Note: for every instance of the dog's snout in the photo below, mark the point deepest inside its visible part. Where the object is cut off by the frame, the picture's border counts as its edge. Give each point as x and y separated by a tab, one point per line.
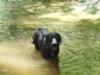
54	45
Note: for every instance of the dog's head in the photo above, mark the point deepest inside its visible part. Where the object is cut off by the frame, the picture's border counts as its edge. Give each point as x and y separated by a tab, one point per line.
52	41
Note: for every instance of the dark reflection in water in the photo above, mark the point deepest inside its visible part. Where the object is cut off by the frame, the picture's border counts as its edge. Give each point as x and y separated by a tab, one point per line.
20	58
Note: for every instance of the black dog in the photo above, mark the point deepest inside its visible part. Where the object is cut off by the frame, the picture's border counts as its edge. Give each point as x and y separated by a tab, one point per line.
47	43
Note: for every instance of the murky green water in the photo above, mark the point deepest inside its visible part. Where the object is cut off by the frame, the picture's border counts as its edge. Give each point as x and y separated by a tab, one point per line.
80	48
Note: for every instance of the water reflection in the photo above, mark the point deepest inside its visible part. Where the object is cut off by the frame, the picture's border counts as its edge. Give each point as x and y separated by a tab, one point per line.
20	58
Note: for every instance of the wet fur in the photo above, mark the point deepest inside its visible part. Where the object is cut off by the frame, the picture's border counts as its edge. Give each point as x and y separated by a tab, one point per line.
42	40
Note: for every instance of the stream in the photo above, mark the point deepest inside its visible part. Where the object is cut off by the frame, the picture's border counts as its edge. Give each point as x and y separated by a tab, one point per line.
21	58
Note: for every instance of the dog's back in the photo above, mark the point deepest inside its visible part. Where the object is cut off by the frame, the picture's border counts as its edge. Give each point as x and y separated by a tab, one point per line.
38	36
42	31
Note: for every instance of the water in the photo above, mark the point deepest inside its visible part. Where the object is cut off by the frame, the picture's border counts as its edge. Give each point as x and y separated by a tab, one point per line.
80	48
17	54
20	58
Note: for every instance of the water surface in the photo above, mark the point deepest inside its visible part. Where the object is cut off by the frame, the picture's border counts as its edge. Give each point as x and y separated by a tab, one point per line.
20	58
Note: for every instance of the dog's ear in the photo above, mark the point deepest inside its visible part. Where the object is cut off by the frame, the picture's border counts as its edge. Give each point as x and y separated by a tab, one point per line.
58	36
